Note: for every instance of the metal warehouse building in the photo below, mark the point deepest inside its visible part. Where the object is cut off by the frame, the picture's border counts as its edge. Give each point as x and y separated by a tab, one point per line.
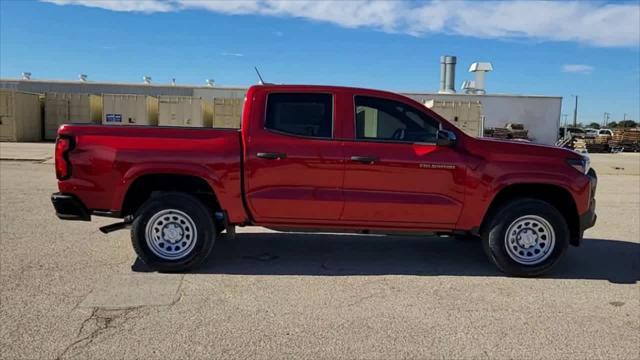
540	115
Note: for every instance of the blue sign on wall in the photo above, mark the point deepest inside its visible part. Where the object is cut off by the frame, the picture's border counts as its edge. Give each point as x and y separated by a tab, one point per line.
114	117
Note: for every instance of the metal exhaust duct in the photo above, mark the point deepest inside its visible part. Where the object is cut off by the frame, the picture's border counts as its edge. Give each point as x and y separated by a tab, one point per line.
443	75
447	74
480	69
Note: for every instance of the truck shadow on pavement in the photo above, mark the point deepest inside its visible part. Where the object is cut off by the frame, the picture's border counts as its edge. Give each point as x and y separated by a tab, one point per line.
342	255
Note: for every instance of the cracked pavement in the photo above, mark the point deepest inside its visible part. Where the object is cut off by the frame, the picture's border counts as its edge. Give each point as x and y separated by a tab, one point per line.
70	292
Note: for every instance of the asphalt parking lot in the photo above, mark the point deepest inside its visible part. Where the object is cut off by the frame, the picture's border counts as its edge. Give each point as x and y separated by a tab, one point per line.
68	291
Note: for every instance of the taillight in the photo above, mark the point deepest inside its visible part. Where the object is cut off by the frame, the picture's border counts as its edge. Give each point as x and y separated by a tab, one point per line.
63	166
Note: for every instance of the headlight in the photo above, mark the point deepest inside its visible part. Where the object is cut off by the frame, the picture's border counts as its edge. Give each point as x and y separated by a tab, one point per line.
582	164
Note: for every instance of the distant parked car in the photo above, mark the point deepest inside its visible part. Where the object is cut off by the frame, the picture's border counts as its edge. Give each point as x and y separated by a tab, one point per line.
590	133
605	132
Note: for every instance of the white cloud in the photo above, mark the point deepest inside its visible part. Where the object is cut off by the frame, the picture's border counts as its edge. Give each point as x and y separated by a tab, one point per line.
225	53
592	23
147	6
577	68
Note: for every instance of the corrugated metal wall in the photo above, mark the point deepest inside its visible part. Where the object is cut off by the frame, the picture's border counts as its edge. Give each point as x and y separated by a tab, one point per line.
64	108
185	111
119	109
20	116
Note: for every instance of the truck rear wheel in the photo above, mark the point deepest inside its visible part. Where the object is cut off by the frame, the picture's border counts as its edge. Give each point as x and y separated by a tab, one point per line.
525	237
173	232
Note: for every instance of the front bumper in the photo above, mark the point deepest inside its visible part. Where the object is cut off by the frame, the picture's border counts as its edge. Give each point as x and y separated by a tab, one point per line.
588	219
69	207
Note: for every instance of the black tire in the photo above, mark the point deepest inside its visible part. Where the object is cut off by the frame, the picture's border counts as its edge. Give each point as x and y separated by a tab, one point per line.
495	243
195	211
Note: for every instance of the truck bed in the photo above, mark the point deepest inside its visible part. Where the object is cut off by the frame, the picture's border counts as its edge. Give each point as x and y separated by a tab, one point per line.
104	157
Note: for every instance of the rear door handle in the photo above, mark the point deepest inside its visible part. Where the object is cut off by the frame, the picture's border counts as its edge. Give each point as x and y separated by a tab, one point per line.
365	159
271	156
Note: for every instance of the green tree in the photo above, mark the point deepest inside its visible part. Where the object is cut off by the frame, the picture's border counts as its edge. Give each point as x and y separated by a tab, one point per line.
594	125
612	125
627	123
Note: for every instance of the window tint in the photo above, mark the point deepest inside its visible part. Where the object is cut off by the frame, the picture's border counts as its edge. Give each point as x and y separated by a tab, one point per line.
300	114
383	119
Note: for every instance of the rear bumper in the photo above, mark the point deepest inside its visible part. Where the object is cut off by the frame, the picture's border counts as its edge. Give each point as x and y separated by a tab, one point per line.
69	207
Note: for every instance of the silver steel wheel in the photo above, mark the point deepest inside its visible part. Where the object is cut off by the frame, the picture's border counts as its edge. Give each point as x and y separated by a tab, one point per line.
530	240
171	234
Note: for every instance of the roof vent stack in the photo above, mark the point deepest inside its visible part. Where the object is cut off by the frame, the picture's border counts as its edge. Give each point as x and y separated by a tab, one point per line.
447	74
480	68
468	86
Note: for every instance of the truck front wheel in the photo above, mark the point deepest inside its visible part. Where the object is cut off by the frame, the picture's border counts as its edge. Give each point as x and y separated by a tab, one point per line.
525	237
173	232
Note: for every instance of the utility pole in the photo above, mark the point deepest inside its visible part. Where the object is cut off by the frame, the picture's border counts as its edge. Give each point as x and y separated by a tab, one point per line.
606	119
624	117
575	112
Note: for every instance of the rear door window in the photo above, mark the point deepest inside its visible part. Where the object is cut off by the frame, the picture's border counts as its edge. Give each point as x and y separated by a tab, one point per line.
300	114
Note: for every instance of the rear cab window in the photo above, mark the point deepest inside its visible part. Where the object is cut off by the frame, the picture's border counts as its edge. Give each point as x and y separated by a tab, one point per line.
301	114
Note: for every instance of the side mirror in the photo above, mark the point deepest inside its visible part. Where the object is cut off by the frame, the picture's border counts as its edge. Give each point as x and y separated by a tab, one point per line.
446	138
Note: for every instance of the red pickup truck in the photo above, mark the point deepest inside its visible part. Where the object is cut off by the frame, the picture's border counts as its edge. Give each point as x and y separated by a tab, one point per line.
325	158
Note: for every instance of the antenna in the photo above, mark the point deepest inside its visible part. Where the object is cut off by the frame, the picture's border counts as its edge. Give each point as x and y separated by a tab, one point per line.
259	76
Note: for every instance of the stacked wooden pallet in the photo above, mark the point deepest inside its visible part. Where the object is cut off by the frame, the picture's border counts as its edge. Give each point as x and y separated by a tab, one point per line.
500	133
629	139
579	144
510	131
598	145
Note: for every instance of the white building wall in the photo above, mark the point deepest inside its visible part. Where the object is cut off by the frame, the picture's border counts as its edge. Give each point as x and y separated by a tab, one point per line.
539	114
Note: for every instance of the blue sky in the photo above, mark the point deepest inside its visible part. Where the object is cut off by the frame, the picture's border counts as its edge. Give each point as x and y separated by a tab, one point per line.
586	48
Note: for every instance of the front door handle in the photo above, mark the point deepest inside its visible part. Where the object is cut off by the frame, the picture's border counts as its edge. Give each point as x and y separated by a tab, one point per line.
365	159
271	156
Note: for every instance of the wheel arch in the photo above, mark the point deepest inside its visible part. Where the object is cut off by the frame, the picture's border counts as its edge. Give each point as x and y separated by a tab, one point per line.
147	185
556	195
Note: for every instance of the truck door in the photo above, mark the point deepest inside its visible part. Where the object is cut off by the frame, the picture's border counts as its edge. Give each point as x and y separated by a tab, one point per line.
395	175
294	167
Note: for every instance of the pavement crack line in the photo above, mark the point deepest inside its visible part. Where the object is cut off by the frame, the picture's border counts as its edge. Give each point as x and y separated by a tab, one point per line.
179	294
98	322
362	299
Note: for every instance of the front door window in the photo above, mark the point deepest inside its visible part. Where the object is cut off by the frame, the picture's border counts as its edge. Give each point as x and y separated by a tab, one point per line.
388	120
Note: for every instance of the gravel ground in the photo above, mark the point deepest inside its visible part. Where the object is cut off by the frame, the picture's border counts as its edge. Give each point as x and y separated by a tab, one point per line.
68	291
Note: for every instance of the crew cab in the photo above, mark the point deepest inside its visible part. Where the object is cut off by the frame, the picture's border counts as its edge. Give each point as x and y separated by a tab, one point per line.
325	158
